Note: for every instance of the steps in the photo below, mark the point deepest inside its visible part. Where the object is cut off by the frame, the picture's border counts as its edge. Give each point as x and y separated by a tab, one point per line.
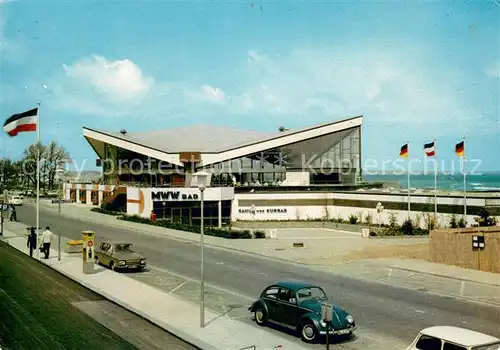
117	200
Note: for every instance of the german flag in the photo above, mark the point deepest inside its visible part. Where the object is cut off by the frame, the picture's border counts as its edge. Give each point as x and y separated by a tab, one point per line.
404	151
460	149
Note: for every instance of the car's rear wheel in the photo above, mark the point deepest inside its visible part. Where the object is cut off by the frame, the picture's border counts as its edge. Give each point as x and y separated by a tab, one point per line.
97	260
112	265
260	316
308	332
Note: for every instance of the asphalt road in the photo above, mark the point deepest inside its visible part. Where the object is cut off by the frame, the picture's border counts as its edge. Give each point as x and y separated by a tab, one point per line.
384	310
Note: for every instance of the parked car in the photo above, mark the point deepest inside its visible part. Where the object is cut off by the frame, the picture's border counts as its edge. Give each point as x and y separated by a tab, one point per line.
16	200
297	305
119	256
453	338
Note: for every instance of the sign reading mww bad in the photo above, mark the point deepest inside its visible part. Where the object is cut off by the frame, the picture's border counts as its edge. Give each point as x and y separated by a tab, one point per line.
173	196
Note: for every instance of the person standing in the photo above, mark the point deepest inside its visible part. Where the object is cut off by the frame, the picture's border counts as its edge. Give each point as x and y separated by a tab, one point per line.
13	213
46	239
32	241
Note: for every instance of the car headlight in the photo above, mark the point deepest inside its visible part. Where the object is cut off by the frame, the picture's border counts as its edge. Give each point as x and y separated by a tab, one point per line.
143	262
121	262
349	319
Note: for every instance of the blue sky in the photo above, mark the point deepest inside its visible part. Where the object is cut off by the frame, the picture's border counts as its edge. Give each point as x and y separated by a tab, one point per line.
415	70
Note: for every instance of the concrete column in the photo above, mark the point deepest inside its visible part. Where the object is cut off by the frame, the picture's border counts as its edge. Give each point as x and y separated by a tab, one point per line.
220	212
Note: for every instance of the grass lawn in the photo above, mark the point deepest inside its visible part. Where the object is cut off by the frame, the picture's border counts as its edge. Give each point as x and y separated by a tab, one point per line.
36	310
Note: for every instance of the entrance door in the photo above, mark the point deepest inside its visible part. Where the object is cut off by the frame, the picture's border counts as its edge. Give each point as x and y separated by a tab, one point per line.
176	215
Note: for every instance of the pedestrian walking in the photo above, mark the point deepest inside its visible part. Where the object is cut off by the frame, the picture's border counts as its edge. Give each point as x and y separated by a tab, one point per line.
46	239
31	244
13	213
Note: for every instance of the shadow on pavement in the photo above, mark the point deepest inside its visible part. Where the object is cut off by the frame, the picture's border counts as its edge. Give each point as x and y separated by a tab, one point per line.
333	340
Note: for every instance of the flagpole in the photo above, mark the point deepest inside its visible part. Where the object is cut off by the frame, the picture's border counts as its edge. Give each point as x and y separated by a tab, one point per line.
465	183
408	166
435	183
38	180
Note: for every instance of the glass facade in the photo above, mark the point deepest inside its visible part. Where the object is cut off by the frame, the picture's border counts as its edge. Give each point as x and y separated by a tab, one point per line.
134	169
189	213
332	158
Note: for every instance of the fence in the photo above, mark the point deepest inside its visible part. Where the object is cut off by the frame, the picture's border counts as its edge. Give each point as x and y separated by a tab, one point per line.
454	247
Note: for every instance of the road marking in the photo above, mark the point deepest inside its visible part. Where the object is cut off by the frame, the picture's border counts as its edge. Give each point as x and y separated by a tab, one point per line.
179	286
420	311
206	284
220	263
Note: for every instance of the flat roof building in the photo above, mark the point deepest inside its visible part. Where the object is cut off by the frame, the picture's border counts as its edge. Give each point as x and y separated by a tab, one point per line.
328	153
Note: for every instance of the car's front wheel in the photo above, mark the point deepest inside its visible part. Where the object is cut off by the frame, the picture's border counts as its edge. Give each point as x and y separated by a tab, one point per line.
112	265
260	316
97	261
308	332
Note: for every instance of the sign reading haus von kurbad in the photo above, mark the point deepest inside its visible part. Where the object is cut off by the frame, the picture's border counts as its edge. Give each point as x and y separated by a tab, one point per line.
173	196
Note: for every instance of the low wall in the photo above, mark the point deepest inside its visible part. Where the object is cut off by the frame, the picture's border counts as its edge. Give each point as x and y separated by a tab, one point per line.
454	247
298	224
311	205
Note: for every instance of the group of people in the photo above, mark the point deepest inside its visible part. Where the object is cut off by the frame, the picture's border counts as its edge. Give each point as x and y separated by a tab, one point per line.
46	240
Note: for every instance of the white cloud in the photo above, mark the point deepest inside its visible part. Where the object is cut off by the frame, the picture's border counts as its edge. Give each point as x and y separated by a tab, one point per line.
213	94
254	56
494	70
390	87
119	80
384	85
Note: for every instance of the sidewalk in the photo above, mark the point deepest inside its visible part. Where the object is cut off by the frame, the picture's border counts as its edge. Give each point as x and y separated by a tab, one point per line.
174	315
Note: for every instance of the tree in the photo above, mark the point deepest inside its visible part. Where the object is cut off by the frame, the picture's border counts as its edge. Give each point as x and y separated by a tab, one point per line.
54	159
30	163
453	221
485	219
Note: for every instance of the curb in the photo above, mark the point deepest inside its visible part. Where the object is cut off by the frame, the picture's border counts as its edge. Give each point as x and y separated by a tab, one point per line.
444	276
441	294
198	343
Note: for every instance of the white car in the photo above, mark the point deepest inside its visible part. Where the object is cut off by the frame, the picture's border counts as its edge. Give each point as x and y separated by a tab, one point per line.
453	338
16	200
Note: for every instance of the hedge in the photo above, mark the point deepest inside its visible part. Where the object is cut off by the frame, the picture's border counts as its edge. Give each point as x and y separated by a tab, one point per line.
104	211
209	231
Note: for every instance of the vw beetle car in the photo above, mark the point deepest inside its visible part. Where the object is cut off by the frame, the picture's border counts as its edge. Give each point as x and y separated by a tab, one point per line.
297	305
119	256
456	338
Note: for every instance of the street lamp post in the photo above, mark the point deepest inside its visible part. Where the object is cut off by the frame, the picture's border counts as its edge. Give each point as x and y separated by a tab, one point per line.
202	178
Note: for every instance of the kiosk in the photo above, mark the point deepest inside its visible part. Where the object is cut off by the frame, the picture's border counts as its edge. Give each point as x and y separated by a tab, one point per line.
88	252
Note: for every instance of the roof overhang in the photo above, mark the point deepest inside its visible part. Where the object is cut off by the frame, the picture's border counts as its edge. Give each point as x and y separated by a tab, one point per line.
280	141
172	158
212	158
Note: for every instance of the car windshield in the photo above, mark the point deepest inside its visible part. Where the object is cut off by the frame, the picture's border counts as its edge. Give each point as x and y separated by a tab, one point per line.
311	293
124	247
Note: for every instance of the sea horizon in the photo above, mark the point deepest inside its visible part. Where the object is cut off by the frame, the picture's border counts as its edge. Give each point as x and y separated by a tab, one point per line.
484	182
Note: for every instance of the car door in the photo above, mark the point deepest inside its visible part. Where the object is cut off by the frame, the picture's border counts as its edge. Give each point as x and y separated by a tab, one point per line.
270	297
288	310
103	253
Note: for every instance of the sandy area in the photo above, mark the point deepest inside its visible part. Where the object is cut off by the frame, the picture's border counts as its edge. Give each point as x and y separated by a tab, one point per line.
407	251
